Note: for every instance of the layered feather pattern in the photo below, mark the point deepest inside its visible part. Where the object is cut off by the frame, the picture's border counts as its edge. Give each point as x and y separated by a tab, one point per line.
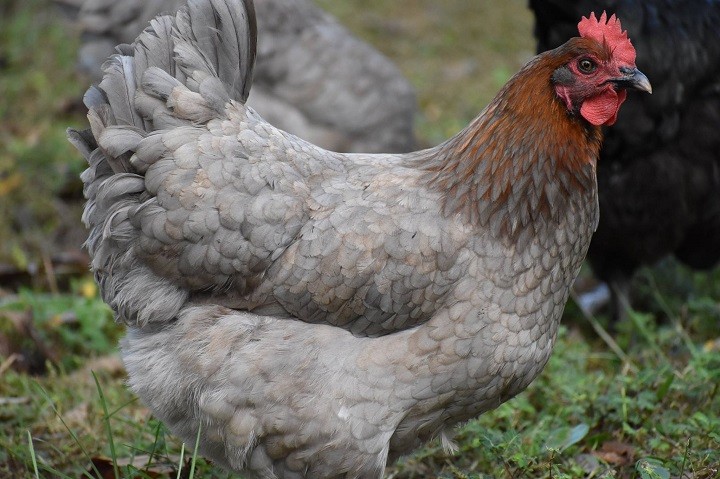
317	314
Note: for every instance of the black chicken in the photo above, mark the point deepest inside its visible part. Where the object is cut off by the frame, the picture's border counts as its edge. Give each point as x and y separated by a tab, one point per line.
659	168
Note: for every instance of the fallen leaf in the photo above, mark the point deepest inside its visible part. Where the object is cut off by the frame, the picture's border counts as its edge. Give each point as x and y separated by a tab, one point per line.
104	466
101	467
616	453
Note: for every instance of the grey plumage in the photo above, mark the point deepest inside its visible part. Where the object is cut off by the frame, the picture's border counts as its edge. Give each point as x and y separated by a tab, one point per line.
317	314
313	78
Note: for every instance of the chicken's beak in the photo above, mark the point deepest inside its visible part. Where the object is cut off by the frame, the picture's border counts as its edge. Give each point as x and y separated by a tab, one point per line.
634	79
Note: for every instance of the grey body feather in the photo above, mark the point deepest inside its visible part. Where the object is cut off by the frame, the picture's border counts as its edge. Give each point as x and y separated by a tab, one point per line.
313	77
316	312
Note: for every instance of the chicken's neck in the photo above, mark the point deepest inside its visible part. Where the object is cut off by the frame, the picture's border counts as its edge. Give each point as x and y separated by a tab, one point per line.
520	163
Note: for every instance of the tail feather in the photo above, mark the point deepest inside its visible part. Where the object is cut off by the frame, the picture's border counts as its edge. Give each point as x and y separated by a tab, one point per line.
222	44
155	47
180	73
119	87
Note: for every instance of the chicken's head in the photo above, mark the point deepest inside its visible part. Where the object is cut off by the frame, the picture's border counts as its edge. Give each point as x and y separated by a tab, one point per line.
601	67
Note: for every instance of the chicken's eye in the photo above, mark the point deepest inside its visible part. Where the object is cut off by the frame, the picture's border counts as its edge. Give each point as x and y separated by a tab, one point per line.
586	65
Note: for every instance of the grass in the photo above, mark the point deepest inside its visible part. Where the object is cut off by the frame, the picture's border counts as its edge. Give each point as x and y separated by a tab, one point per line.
647	408
589	408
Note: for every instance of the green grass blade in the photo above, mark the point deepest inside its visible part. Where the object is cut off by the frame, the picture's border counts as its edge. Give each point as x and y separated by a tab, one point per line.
32	455
69	430
195	453
181	461
108	429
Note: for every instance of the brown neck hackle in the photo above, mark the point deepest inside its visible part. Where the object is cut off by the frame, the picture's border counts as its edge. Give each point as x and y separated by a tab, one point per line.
519	163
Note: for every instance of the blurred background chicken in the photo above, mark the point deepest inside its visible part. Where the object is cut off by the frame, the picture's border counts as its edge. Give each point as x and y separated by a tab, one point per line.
659	168
313	77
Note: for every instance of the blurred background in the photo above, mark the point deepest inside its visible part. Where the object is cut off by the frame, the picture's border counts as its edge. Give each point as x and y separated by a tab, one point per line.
630	398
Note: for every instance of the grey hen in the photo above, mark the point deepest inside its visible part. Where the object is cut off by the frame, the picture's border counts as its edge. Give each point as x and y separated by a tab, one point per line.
313	78
317	314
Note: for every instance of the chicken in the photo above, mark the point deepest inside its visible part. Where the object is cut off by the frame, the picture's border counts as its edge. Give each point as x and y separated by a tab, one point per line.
659	168
313	78
315	314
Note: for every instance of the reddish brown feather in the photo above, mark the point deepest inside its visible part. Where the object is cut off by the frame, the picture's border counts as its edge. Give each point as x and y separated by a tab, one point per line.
526	130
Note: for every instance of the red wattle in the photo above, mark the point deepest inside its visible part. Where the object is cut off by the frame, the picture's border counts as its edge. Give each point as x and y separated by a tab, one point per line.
603	109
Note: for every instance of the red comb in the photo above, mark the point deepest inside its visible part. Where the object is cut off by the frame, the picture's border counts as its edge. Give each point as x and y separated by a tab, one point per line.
608	31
